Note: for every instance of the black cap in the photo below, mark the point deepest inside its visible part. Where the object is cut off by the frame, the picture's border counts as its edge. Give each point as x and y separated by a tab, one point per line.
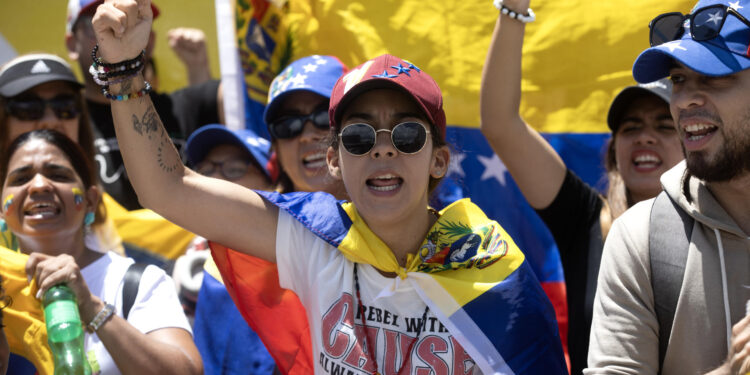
661	88
25	72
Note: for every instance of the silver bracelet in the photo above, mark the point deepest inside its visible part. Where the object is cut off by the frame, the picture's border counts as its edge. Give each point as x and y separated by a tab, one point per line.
523	18
100	318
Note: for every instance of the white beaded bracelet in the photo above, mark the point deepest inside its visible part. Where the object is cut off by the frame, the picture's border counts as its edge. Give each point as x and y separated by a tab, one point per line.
523	18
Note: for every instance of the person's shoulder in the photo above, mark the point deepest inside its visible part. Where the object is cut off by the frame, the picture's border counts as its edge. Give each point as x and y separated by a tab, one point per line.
629	233
638	212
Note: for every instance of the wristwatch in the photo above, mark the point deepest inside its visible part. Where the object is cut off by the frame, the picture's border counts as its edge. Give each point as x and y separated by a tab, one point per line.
100	318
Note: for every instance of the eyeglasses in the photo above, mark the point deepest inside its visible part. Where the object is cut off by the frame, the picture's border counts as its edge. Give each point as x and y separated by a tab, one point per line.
291	126
705	23
231	169
31	108
407	137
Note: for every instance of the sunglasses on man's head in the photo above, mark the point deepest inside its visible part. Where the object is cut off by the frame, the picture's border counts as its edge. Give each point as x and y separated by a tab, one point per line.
286	127
407	137
705	23
31	108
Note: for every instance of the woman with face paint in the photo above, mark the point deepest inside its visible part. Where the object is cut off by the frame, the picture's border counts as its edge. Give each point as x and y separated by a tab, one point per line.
389	285
49	196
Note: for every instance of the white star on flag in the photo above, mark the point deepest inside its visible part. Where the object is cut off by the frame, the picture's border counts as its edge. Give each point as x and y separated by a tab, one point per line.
493	168
673	45
321	61
310	68
735	5
715	18
298	80
454	167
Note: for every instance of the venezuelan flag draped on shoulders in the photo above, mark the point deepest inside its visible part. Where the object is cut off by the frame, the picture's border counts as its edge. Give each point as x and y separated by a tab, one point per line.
468	271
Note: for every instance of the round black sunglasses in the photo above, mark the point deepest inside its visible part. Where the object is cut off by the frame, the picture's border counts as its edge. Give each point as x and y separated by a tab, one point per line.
705	23
407	137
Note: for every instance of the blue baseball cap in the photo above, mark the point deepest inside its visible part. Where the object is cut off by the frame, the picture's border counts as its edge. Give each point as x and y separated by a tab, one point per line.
317	74
726	54
207	137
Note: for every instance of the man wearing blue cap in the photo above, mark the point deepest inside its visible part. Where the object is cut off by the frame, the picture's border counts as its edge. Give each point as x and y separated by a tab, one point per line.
673	295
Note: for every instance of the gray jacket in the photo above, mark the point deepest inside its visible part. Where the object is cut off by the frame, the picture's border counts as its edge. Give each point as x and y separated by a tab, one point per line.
624	332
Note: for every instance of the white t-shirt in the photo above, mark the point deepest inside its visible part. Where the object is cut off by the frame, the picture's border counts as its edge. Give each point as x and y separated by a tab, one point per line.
156	304
324	281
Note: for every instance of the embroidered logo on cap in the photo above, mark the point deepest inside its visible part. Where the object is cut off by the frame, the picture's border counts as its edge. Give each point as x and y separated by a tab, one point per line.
40	67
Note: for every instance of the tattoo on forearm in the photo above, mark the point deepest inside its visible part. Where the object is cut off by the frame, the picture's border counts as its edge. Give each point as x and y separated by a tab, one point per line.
167	154
148	124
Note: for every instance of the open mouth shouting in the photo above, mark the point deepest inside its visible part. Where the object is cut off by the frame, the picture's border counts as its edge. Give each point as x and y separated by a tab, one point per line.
646	161
314	161
386	183
41	211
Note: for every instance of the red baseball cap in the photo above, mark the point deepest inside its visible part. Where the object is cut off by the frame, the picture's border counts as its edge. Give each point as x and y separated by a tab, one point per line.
388	71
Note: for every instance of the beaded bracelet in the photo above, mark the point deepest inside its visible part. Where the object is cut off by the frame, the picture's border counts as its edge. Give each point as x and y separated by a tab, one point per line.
98	61
102	71
145	90
103	80
523	18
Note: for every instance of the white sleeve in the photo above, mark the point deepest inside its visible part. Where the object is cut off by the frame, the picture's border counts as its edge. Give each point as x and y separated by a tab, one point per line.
157	305
294	244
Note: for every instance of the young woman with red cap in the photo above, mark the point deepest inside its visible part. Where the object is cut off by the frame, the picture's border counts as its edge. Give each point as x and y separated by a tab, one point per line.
389	284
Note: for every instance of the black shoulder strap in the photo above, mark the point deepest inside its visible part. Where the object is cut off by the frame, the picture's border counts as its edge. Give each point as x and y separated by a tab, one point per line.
669	239
131	280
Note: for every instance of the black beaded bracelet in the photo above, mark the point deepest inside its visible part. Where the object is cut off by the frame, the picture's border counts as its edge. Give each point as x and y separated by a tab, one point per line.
114	66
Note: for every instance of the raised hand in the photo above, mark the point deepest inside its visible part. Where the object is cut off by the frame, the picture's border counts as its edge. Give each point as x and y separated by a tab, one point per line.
122	28
190	46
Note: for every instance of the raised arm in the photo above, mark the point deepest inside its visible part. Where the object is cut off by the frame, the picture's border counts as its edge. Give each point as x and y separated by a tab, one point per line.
218	210
533	163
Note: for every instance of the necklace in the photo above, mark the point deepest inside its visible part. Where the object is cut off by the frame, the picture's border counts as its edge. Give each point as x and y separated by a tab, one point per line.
361	308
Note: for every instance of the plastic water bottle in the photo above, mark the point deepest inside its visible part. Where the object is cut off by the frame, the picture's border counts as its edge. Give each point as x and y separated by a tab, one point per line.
64	331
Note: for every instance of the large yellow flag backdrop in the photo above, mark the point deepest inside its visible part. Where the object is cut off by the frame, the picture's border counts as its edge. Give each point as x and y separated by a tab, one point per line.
577	54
